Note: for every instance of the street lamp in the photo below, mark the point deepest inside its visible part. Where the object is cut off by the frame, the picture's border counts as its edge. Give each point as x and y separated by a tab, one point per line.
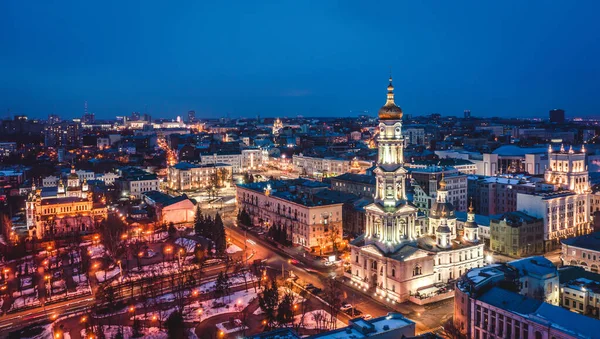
120	270
48	277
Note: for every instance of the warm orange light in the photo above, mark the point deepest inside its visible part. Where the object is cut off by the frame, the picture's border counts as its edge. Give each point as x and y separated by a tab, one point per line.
131	309
154	318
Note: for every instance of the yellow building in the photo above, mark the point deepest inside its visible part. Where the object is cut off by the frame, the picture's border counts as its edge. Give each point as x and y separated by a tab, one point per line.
60	211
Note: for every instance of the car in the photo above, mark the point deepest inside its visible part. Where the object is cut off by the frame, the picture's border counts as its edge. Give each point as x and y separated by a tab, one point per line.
353	312
346	307
328	263
367	316
293	261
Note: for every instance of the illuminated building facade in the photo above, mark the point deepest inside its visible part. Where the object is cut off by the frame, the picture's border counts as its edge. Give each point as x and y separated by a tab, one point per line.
398	256
63	210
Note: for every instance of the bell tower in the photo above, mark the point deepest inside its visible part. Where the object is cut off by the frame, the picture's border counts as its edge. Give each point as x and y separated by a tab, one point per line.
390	219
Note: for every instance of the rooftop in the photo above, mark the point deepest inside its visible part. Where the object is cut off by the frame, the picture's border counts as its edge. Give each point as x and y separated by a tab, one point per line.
359	178
513	151
537	266
510	301
589	241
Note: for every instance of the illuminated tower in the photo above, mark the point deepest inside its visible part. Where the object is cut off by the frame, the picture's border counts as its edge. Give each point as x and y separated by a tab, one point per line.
471	229
390	218
568	169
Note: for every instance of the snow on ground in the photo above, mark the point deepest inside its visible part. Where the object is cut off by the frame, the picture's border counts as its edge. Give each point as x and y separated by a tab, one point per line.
233	281
46	333
317	319
158	269
233	249
96	251
109	274
23	292
23	301
186	243
233	303
164	314
238	327
111	332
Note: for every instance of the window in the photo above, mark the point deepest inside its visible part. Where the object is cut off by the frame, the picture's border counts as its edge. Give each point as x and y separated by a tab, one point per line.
417	270
393	272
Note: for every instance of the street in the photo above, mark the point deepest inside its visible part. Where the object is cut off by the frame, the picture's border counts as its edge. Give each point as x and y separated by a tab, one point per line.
427	317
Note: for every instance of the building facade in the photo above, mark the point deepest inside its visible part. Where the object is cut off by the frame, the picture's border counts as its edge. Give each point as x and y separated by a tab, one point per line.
186	176
517	234
582	251
399	257
294	205
425	183
566	214
64	210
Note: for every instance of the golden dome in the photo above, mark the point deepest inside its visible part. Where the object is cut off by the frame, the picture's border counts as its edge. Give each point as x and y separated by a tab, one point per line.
390	111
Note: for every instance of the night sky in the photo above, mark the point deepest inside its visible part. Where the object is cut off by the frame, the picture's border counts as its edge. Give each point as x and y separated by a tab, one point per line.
284	58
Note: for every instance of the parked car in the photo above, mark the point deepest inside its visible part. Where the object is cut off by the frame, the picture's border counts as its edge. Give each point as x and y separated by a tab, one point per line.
367	316
346	307
328	263
293	261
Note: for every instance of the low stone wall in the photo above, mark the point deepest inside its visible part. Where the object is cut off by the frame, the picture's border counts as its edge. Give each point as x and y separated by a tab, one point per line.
433	299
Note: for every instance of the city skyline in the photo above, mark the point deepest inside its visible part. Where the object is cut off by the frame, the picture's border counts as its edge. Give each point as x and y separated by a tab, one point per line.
219	61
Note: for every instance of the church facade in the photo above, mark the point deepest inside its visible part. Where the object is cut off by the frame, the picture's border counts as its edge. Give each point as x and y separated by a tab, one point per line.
63	210
399	255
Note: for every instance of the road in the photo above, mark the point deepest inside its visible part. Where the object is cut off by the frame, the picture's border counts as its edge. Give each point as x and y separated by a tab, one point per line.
426	317
18	320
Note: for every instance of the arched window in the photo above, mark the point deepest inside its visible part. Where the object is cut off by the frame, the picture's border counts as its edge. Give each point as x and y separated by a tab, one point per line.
417	270
538	335
393	272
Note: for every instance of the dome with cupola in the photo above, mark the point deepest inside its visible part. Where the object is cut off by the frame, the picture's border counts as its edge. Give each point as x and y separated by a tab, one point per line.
390	111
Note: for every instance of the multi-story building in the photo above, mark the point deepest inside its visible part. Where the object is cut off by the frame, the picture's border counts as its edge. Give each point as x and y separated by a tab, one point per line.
63	210
295	205
390	326
397	256
580	291
321	167
493	302
568	170
171	209
517	234
425	183
254	158
557	116
134	181
231	158
582	251
186	176
498	195
7	148
415	136
566	214
63	134
538	278
360	184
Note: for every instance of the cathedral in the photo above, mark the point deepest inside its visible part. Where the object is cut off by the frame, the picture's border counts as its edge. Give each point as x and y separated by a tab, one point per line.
400	255
63	210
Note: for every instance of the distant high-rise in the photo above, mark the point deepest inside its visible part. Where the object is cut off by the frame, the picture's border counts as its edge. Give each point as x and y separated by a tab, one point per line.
53	119
135	116
557	116
191	117
467	114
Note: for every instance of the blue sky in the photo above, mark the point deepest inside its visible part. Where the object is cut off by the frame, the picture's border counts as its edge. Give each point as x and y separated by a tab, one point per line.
284	58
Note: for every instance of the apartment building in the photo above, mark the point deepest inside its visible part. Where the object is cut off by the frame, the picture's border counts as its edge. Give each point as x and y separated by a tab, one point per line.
310	220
